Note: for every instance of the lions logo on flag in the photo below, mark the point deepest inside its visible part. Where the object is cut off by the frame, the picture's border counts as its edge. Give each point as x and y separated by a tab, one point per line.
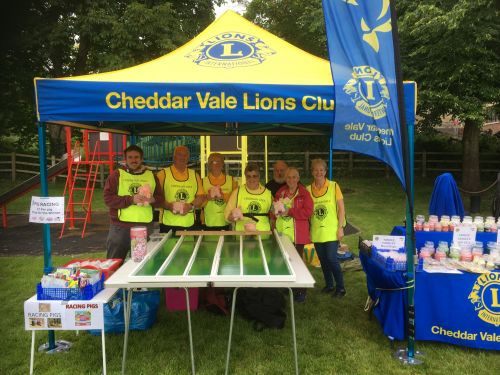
486	299
368	91
231	50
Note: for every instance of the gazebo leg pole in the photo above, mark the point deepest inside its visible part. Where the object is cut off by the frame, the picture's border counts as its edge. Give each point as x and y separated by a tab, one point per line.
44	189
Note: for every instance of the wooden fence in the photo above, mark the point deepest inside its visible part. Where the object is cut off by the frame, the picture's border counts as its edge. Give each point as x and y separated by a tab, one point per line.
23	166
426	163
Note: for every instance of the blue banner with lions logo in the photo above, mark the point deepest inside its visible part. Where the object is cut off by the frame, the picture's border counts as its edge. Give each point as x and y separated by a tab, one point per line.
360	44
459	309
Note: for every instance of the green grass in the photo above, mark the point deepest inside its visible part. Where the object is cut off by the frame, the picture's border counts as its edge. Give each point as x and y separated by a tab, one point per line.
333	336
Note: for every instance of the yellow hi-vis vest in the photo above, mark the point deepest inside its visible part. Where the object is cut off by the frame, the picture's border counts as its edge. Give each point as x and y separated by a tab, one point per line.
214	209
286	224
254	204
324	221
179	191
128	184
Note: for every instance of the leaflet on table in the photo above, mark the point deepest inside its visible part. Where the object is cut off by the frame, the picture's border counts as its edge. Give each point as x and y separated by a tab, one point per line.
388	242
47	210
63	315
464	235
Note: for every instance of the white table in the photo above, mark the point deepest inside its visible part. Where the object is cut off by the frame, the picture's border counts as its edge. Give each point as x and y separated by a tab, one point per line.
121	279
33	304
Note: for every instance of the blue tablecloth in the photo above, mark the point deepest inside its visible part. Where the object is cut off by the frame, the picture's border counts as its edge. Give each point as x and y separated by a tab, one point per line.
461	309
390	305
421	237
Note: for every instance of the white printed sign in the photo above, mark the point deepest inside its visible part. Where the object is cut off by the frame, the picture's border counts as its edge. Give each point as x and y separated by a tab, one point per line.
47	210
464	235
63	315
388	242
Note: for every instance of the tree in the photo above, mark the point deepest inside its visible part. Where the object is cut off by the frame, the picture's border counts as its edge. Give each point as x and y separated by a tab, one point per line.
59	38
451	48
298	22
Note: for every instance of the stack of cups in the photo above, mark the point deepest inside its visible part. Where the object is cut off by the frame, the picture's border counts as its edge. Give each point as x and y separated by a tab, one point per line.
138	243
454	251
429	245
455	221
479	223
433	220
490	225
445	223
477	250
467	220
419	223
443	246
466	255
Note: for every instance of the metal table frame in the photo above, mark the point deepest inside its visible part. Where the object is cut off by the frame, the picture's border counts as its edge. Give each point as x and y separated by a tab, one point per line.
123	279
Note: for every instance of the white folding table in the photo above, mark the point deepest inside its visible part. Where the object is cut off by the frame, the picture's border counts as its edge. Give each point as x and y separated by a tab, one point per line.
219	259
38	315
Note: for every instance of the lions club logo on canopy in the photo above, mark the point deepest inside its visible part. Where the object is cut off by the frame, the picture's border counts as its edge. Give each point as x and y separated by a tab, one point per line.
485	297
231	50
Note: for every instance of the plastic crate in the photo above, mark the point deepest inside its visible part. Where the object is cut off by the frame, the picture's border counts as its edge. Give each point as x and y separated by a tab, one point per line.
65	294
107	272
175	299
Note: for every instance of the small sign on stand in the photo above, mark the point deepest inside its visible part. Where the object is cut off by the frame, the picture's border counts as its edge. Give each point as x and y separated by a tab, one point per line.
388	242
464	235
47	210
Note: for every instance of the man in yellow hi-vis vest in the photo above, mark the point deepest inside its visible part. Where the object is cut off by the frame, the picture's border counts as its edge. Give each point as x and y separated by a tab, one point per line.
183	192
127	208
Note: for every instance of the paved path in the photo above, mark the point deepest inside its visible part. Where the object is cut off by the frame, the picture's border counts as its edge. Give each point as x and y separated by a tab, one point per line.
25	238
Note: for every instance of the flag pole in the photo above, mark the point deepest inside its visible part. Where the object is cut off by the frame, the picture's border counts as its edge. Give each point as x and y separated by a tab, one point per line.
406	355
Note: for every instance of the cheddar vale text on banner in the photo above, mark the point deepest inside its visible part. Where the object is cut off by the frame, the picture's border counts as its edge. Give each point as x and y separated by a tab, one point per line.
203	102
360	44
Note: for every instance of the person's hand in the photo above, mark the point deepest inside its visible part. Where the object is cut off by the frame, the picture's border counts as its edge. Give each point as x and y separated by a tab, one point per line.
236	214
187	207
178	207
140	200
215	192
279	208
340	233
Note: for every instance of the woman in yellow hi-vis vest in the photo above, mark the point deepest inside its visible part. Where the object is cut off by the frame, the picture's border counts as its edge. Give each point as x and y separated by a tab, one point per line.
293	207
183	192
218	187
250	203
327	226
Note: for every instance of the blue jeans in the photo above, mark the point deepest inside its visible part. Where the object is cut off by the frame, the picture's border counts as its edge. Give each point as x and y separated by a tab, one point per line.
330	265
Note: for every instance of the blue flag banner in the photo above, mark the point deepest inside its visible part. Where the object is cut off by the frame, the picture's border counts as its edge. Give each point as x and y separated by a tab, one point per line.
361	50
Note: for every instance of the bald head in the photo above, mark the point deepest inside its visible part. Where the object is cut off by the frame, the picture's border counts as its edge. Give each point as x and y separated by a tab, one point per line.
279	169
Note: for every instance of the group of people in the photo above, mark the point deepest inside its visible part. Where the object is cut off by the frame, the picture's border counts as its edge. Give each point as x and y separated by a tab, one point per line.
314	213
